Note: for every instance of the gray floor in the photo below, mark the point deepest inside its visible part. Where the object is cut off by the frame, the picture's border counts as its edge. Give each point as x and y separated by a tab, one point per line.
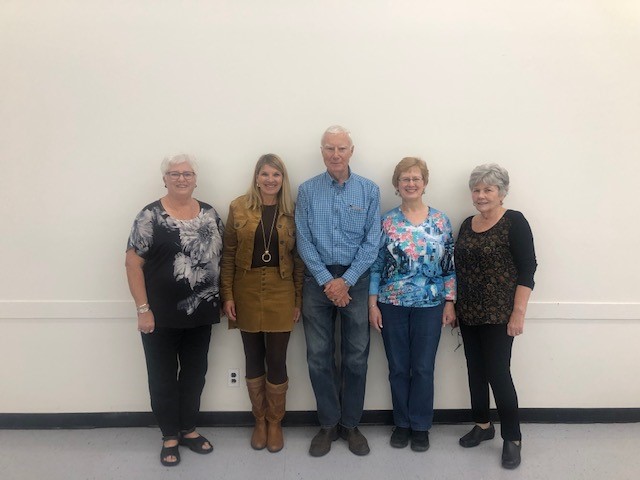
594	451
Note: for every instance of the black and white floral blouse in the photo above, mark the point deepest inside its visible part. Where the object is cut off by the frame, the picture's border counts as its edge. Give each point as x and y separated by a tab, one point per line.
182	264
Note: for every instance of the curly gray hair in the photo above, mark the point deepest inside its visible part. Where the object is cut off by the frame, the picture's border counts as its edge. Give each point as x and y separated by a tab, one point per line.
490	174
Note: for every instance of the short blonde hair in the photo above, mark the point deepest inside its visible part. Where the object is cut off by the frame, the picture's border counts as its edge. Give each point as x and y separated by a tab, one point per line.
285	200
405	164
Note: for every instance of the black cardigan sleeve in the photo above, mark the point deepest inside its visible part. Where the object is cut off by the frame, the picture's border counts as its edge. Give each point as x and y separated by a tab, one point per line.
522	249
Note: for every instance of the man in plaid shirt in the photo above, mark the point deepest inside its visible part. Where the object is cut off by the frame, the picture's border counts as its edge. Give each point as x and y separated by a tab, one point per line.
338	237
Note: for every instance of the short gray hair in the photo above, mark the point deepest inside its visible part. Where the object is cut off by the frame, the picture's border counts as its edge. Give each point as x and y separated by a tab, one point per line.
335	129
490	174
169	162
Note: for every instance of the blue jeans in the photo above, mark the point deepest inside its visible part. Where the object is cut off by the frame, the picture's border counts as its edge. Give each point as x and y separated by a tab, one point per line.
340	398
411	337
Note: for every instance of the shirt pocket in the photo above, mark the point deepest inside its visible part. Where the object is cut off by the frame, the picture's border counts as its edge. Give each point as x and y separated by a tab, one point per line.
244	247
354	221
240	225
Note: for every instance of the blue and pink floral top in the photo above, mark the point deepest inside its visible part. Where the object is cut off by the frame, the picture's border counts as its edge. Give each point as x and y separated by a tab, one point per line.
415	265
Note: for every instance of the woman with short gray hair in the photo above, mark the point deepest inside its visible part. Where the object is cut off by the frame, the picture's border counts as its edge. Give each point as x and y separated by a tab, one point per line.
490	174
173	268
495	265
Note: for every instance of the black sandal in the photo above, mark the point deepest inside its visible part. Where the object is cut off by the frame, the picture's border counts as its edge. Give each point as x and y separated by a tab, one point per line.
168	452
196	444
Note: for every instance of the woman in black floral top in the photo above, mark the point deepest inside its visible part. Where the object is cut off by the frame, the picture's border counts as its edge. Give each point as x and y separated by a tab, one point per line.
173	269
495	264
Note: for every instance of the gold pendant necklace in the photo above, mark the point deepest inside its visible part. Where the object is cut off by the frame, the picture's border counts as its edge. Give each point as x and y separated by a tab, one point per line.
266	256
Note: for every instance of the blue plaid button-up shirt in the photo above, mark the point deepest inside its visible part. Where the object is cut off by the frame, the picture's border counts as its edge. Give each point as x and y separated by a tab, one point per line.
338	225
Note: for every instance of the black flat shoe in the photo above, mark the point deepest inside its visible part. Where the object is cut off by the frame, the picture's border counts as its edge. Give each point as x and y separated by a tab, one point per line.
419	441
400	437
510	454
196	444
167	452
477	435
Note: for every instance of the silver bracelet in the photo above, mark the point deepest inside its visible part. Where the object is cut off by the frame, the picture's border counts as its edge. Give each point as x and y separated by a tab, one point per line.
144	308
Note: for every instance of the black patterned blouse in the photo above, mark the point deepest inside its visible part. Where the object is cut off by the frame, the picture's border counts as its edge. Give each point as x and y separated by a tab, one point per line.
182	264
489	267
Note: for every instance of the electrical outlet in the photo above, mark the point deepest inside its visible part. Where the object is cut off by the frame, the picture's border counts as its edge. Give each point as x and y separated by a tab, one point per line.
233	377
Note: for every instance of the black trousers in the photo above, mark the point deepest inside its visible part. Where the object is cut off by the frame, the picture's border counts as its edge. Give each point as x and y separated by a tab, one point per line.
176	366
488	352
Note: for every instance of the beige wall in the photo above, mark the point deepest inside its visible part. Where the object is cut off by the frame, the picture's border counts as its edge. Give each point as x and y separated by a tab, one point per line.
94	93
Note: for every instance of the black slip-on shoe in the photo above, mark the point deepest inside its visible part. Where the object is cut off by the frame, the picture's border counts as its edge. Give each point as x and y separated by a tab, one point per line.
477	435
419	441
400	437
511	454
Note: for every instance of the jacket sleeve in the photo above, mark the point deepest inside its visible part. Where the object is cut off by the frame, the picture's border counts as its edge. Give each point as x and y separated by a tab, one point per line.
229	247
298	276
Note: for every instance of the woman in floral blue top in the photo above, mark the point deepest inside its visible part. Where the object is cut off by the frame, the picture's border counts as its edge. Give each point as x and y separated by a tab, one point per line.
413	286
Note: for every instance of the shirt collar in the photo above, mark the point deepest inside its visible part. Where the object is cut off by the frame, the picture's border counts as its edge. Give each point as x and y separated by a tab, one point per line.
331	181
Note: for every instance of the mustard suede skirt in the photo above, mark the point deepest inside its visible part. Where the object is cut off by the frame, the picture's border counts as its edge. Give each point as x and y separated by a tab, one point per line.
264	300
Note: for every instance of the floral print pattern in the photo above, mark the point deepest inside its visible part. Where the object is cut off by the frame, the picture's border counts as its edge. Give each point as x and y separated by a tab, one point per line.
189	249
415	265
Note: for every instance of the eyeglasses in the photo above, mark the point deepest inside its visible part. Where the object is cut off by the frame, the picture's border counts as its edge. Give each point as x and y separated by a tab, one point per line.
458	336
408	180
176	175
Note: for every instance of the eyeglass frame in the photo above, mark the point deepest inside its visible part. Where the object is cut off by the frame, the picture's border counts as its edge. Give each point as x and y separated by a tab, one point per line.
175	176
407	181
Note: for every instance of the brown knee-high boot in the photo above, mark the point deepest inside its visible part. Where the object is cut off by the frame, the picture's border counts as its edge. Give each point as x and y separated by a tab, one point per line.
256	388
276	400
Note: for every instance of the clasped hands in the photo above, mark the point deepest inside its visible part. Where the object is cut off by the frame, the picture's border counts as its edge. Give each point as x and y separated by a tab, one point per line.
337	292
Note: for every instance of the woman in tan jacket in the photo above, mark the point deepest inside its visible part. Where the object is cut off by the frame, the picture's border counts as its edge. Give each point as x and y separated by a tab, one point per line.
261	290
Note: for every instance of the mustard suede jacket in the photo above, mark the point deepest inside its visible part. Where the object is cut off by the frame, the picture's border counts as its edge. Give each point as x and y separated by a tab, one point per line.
238	240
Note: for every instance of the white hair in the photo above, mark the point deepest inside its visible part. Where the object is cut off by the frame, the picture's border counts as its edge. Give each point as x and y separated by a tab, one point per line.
336	129
169	162
490	174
